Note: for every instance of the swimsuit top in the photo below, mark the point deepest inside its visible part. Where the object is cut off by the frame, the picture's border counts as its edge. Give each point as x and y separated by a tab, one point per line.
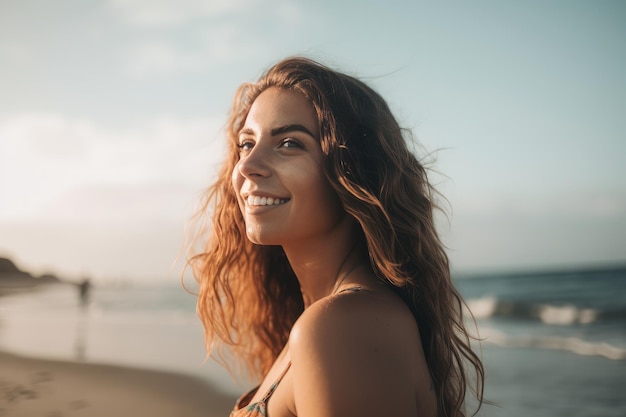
258	409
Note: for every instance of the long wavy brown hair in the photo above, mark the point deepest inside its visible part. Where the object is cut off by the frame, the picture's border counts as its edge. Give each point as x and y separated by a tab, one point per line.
249	297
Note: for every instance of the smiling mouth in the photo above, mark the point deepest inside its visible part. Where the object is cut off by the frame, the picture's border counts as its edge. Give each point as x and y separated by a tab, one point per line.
253	200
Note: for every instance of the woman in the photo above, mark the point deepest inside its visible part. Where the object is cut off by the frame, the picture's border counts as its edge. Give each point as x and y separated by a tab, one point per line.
323	273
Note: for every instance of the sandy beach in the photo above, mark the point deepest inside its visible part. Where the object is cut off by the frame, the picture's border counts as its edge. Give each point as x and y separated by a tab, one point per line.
33	387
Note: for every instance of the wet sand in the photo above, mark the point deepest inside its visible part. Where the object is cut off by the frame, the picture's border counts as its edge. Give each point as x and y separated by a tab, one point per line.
34	387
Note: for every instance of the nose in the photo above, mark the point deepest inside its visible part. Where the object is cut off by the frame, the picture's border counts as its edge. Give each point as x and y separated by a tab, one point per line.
255	162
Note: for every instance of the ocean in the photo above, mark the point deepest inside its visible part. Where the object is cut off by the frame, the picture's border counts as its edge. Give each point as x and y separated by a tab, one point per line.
554	344
579	311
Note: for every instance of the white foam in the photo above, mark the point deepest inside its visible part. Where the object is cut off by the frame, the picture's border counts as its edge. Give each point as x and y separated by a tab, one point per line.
569	344
484	307
566	315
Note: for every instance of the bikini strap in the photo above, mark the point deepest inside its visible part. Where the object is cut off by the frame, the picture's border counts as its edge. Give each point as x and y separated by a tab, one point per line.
270	391
355	288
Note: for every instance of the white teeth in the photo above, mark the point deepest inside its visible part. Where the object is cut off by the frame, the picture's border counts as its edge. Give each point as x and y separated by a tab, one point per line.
265	201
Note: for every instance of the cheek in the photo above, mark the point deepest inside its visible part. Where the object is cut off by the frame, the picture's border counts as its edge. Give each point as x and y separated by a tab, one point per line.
322	201
234	178
237	181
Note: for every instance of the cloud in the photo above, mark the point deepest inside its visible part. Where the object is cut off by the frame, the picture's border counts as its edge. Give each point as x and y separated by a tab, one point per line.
213	46
90	198
150	13
221	34
51	165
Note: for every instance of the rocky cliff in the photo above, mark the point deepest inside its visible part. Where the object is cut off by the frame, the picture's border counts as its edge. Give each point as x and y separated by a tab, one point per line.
13	277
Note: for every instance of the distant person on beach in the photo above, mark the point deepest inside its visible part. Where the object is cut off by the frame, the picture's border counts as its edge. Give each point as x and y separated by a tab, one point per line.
84	288
323	273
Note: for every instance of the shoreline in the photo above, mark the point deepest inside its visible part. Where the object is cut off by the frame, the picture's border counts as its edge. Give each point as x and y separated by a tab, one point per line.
31	387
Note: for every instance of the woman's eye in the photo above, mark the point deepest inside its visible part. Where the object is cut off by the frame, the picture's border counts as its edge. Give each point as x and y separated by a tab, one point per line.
290	143
245	145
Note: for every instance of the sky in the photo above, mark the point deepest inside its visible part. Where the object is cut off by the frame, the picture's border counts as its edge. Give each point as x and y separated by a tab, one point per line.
111	117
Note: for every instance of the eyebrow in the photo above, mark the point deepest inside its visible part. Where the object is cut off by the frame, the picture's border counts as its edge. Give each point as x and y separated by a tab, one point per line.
280	130
291	128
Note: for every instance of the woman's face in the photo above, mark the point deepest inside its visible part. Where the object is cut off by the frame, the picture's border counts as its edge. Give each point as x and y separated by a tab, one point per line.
281	189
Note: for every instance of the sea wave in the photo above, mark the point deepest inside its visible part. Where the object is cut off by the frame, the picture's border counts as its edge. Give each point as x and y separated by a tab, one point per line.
489	307
569	344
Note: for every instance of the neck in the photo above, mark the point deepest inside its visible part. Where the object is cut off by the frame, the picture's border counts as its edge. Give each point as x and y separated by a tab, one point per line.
322	265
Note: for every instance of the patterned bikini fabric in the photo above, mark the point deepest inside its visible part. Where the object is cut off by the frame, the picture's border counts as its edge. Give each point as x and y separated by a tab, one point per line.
258	409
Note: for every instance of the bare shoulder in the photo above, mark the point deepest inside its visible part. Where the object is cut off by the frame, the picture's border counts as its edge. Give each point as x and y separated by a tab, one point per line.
373	318
358	353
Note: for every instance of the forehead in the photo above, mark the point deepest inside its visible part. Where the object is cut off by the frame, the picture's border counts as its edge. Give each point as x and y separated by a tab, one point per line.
276	107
